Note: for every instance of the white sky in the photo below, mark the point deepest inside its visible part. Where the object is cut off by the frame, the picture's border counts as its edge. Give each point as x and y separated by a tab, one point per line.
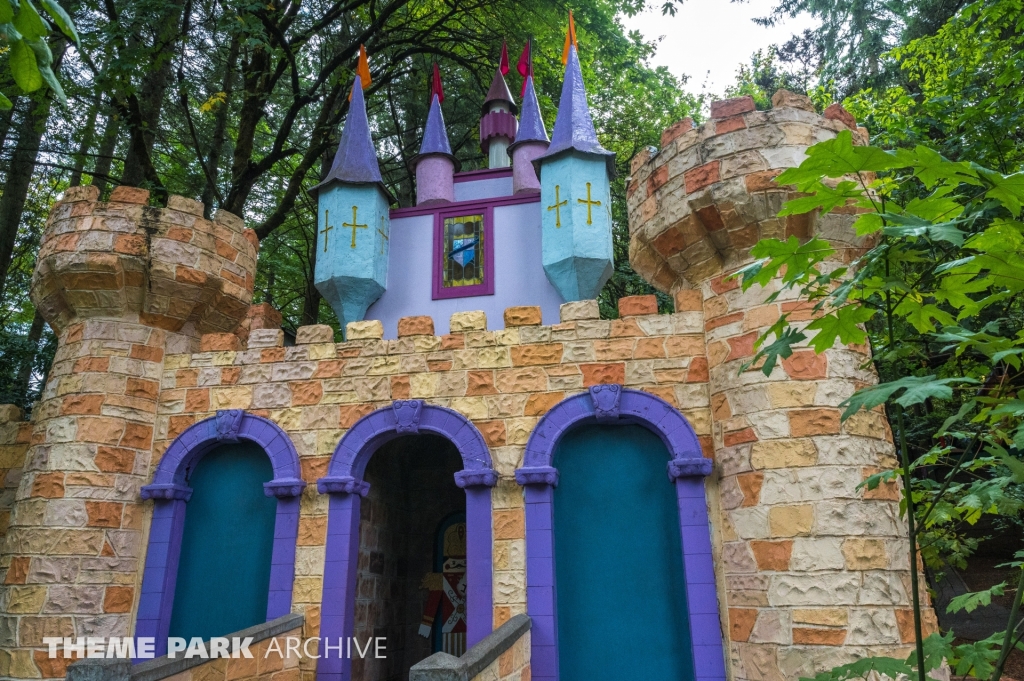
708	39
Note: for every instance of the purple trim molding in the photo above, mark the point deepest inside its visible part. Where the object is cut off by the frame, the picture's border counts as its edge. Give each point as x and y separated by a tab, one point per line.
466	206
687	467
483	174
345	485
170	493
486	287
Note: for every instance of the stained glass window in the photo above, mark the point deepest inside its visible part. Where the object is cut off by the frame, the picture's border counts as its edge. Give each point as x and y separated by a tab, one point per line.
463	255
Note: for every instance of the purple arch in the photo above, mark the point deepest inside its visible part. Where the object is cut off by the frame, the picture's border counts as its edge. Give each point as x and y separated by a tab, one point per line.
170	494
345	485
614	404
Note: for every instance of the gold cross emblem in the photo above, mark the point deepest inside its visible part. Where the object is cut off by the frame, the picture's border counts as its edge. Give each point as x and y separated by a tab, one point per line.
558	208
589	203
383	234
354	226
327	227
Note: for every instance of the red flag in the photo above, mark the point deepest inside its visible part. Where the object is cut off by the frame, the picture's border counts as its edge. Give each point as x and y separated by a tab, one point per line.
435	85
503	62
525	65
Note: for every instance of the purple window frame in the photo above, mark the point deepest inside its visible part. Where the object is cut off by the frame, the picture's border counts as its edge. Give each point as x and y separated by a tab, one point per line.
170	495
614	404
485	288
347	488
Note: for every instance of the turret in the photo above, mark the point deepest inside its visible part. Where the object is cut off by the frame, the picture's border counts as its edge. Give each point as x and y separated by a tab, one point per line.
531	143
575	174
498	123
435	164
354	221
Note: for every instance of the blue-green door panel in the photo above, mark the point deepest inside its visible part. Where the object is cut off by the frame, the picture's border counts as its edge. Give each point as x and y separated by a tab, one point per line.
620	588
227	544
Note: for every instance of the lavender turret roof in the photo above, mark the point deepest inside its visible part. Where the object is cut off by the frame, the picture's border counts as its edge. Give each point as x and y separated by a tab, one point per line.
356	159
435	135
574	128
531	124
499	92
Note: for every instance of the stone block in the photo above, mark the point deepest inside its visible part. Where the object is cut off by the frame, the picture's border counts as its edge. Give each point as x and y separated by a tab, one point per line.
865	554
125	194
266	338
790	521
218	342
675	130
836	112
783	454
727	108
315	333
370	329
461	322
415	326
81	193
579	310
522	316
185	205
689	300
10	413
786	99
630	306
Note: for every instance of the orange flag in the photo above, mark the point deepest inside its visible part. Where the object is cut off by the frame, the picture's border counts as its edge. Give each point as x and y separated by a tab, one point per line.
570	39
362	70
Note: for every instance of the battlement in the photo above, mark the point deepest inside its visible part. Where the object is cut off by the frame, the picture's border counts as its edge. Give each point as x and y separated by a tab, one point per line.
167	268
698	205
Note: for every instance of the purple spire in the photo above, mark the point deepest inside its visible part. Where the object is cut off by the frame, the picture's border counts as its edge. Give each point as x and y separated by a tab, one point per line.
435	135
531	125
356	159
574	128
499	92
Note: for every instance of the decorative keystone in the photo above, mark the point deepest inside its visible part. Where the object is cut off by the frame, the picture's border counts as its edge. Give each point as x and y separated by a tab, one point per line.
371	329
314	333
689	468
462	322
229	423
219	342
631	306
537	475
407	415
579	310
606	400
726	108
415	326
522	316
342	484
485	477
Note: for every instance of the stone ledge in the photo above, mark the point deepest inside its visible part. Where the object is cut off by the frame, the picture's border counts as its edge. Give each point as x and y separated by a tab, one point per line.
444	667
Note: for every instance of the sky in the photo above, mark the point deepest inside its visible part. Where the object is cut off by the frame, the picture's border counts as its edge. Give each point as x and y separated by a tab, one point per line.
708	39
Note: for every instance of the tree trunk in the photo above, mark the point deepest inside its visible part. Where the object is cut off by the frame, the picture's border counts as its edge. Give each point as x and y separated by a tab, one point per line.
105	154
88	134
220	129
35	332
311	304
151	96
6	118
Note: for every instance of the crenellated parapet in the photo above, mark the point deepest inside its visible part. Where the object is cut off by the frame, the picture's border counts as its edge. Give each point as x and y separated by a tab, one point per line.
698	205
168	268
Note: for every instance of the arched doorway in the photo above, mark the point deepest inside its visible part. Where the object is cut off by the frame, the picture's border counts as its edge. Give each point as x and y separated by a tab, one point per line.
578	438
400	471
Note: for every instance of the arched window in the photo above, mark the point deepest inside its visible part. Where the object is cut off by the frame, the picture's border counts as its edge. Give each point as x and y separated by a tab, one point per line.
225	520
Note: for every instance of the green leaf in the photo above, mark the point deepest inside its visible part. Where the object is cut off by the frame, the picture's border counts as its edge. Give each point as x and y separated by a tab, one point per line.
798	259
785	338
24	68
916	389
886	666
5	103
43	55
970	602
837	157
1015	465
61	19
841	324
909	226
6	12
1007	189
51	80
29	23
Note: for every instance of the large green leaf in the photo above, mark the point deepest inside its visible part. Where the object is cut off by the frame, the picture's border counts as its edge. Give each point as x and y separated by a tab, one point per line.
843	324
970	602
860	669
29	23
61	19
1007	189
837	157
916	389
6	12
5	103
24	68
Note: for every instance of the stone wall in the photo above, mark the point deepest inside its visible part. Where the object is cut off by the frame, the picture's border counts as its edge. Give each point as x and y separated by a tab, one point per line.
15	436
815	570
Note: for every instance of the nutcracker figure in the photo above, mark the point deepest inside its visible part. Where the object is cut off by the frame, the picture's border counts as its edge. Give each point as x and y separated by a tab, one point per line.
447	597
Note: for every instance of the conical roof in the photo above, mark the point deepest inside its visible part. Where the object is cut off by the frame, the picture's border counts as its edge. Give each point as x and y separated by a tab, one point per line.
574	128
356	159
435	134
531	124
499	92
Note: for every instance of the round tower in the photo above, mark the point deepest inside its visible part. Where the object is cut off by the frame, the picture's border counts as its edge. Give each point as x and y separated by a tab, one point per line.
816	569
121	284
435	165
498	123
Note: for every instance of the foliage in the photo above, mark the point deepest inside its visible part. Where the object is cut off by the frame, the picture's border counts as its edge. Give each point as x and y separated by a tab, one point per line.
24	32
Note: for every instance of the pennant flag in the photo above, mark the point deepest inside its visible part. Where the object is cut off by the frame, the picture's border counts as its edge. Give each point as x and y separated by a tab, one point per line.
570	39
435	85
503	62
363	71
525	65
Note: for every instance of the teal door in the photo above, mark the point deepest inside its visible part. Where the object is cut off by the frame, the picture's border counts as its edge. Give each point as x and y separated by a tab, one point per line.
226	547
618	559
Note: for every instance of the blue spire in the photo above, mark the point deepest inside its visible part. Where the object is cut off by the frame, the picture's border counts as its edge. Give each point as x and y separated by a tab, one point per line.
531	125
356	159
574	128
435	135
